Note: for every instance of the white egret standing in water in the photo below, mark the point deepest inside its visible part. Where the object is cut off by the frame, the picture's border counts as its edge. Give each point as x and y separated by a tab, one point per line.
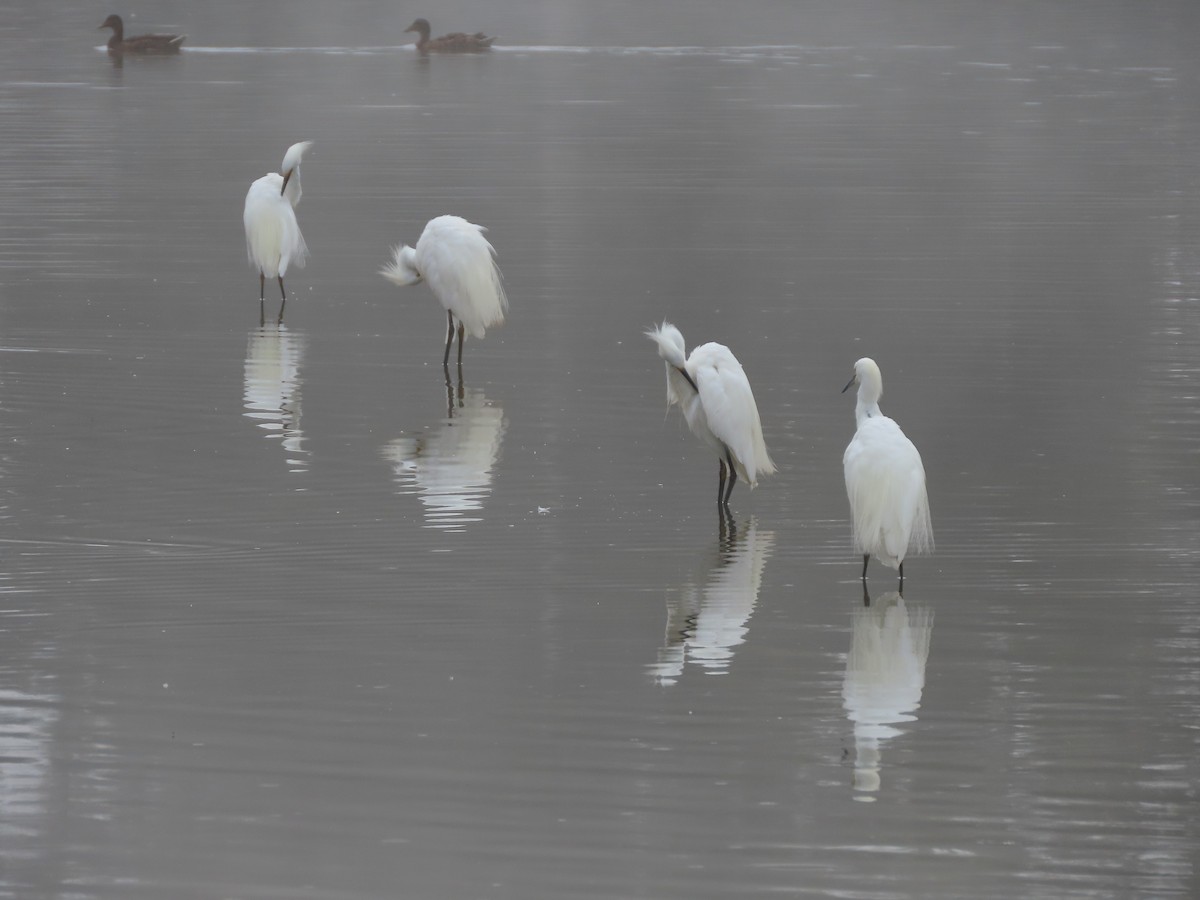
885	480
718	404
460	265
273	238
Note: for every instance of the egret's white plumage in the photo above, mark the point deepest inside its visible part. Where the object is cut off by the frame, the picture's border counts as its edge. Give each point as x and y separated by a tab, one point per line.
460	265
714	394
885	480
273	238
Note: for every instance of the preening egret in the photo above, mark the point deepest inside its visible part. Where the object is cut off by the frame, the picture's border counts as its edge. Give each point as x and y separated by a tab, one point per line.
273	238
885	480
458	262
455	42
718	404
142	43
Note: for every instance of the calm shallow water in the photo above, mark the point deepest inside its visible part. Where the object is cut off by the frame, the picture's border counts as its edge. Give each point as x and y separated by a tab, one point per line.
288	614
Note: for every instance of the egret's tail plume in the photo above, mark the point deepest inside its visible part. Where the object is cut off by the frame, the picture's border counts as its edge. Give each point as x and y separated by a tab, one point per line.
402	269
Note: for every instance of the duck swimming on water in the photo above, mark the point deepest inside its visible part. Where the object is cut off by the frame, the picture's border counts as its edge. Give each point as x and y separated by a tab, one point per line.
455	42
142	43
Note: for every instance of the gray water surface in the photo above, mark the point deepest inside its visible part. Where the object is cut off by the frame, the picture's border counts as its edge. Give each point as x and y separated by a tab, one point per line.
289	611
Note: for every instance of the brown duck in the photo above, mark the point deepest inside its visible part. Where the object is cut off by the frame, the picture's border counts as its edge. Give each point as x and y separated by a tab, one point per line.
455	42
142	43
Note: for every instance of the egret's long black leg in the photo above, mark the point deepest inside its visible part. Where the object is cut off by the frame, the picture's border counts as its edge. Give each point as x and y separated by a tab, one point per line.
449	338
283	296
866	559
721	482
902	575
462	329
866	595
732	478
262	290
728	527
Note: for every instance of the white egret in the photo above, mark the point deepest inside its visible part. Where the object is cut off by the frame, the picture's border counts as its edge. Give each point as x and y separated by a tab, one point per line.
885	480
718	404
273	238
458	262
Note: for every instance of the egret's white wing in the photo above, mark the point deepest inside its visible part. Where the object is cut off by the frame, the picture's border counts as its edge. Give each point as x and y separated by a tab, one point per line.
730	408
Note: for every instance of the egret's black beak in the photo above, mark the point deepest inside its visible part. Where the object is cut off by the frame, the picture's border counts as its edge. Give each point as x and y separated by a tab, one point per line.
849	384
286	178
687	378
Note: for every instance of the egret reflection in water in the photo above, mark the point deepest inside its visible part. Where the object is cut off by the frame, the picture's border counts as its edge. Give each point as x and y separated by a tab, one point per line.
272	388
450	465
885	676
706	619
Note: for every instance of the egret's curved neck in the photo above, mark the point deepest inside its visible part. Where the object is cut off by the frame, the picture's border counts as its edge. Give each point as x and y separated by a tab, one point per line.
292	189
867	407
864	411
403	268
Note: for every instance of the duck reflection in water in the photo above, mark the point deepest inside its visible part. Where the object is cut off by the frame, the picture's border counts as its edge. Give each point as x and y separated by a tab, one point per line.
885	675
450	465
707	618
272	389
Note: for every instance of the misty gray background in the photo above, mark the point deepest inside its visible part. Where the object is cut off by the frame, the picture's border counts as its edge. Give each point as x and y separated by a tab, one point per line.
282	617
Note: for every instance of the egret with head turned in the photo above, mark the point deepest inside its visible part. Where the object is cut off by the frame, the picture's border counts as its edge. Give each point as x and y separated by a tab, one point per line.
885	481
273	238
459	264
714	395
